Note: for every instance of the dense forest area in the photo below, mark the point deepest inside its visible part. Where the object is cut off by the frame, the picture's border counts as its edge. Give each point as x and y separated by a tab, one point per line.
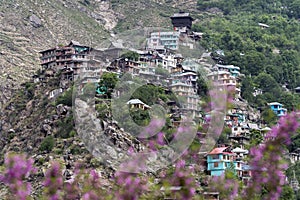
262	38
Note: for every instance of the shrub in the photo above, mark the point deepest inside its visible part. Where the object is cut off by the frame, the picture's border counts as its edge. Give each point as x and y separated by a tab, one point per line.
66	127
72	133
47	144
66	98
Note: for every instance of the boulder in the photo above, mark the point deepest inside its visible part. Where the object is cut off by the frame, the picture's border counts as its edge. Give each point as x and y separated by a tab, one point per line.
35	21
46	128
61	109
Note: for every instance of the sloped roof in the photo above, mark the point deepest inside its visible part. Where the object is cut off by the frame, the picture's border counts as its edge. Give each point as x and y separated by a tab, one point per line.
274	103
239	150
218	150
181	14
266	129
137	101
75	42
218	73
253	126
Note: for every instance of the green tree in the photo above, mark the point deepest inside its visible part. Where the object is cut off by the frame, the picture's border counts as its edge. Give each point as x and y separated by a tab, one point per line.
295	142
223	139
256	138
47	144
247	89
66	98
287	193
131	55
109	80
140	117
161	71
269	117
202	87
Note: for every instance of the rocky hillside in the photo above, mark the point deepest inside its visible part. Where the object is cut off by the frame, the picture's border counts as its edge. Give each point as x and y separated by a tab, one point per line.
30	26
43	127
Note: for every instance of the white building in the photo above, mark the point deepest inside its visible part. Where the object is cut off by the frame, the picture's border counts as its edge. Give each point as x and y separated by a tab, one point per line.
159	40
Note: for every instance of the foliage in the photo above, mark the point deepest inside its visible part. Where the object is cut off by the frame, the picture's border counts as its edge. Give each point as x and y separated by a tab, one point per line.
269	57
247	89
109	80
103	110
256	138
161	71
295	142
266	162
66	127
223	139
66	98
18	169
149	94
29	90
290	172
47	144
287	193
140	117
131	55
269	117
202	89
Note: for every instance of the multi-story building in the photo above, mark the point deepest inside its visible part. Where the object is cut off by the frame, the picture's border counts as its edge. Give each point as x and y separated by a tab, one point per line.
166	40
234	70
220	159
169	62
60	57
240	135
226	80
71	59
184	85
278	109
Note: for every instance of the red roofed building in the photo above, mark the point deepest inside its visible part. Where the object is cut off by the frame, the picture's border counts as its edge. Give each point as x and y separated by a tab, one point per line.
222	158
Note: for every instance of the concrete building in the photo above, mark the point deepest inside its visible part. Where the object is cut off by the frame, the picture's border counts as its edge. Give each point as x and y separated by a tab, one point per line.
278	109
220	159
163	40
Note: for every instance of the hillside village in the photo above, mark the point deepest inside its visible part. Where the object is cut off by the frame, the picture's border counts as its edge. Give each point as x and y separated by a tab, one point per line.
161	64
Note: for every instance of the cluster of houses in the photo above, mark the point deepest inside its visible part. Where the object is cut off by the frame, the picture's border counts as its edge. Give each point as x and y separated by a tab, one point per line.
161	63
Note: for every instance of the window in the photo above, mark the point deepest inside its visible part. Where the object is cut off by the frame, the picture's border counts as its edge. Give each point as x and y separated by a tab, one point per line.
215	156
216	164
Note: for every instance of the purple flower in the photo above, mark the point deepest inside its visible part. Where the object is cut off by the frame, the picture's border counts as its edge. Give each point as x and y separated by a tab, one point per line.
53	182
18	168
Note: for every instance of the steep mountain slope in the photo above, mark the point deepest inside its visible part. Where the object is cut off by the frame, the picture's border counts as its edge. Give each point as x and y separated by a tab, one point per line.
30	26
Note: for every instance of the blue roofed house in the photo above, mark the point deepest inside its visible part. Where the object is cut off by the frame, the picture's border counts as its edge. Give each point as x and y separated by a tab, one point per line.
220	159
278	108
